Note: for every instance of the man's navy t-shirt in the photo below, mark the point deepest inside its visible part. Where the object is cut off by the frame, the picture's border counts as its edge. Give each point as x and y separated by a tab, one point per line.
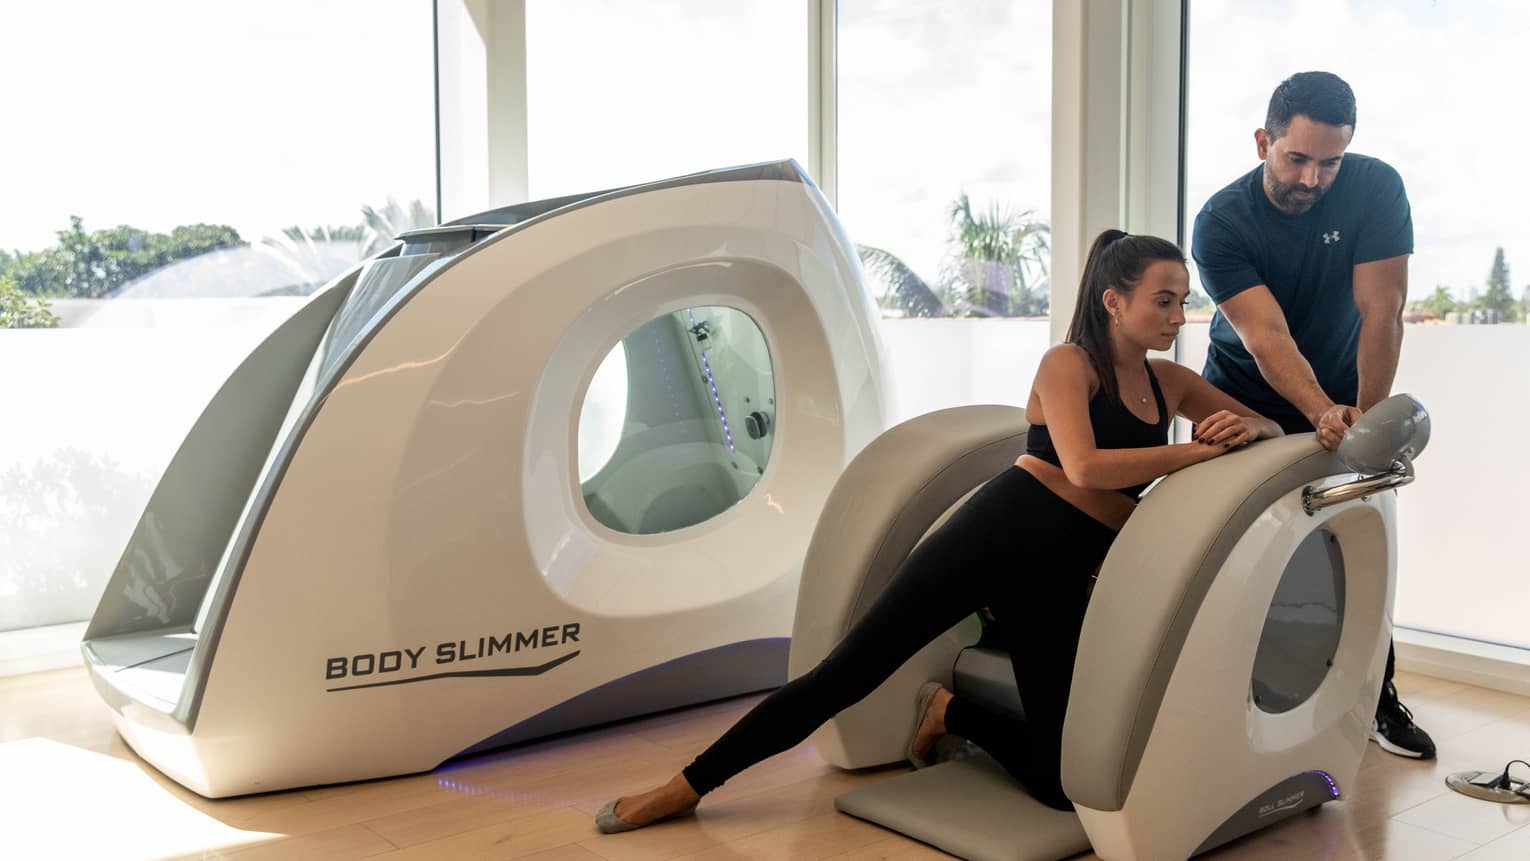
1307	261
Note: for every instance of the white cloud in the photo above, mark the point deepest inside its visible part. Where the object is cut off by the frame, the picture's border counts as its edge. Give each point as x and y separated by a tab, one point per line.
621	92
258	115
934	100
291	111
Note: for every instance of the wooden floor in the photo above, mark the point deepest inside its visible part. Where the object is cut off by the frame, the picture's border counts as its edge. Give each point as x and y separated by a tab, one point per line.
69	788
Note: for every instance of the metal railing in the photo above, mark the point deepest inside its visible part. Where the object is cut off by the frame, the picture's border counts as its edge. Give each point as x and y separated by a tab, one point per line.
1400	474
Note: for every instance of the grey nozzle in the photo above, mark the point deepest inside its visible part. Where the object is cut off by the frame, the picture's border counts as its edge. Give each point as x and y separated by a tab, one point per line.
1395	429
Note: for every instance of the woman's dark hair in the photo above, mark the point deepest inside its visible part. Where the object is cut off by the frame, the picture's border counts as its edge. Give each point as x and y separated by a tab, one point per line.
1319	96
1117	259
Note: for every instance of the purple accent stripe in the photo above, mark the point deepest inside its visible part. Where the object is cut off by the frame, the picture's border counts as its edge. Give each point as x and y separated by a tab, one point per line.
1332	786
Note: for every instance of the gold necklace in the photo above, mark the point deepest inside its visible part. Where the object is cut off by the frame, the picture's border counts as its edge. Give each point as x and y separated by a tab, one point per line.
1141	399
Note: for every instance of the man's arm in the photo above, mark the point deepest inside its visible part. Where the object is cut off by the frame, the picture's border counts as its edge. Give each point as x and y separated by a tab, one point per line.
1380	289
1256	317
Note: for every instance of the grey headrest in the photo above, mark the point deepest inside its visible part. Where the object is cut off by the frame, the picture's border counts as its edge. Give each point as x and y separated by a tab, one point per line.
1398	427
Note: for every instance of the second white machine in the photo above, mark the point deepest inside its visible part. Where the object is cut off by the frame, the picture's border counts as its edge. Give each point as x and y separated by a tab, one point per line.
550	467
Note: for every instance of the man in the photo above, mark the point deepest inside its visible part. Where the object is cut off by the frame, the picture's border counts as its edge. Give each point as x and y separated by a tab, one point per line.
1308	266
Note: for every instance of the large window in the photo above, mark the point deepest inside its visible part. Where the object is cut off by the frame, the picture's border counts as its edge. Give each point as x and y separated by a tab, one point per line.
1437	86
179	176
620	92
678	424
944	140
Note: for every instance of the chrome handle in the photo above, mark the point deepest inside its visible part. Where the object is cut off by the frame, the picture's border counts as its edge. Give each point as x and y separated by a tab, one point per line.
1400	474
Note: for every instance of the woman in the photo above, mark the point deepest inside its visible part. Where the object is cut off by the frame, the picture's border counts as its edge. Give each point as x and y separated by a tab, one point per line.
1025	545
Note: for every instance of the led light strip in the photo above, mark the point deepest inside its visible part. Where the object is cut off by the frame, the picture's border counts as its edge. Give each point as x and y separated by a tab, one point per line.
712	384
1332	786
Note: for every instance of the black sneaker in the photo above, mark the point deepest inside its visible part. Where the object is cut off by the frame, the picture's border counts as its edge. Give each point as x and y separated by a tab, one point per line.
1395	730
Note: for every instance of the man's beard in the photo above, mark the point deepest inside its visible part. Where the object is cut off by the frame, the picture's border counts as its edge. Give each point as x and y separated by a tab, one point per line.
1288	198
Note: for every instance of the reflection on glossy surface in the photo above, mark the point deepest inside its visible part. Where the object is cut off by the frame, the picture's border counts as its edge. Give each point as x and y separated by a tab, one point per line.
1301	631
604	413
677	424
1398	427
59	511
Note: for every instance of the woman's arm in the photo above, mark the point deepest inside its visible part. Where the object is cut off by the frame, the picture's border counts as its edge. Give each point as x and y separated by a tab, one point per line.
1218	416
1062	383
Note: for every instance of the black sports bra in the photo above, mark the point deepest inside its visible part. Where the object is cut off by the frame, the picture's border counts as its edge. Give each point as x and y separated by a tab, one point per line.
1114	427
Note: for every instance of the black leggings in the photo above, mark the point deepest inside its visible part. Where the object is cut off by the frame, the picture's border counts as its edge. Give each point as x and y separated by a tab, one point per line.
1014	547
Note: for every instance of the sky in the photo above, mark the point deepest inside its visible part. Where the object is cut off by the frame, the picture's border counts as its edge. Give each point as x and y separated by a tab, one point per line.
265	115
1439	93
710	84
169	112
933	104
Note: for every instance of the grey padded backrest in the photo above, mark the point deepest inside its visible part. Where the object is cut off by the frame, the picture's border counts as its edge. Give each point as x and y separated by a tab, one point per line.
883	504
1140	613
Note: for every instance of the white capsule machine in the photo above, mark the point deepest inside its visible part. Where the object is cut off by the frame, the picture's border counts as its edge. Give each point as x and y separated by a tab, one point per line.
551	466
1229	662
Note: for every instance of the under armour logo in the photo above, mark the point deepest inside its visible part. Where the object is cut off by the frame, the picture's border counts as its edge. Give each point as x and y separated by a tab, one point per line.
1331	237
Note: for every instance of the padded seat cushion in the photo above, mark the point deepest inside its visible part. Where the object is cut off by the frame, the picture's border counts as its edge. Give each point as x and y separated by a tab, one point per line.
987	676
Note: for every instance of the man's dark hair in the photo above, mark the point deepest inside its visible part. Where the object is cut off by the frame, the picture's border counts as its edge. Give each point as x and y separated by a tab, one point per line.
1319	96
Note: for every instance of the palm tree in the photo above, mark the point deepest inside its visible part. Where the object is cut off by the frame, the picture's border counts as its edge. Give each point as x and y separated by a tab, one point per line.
309	252
905	290
999	264
1439	303
382	226
330	233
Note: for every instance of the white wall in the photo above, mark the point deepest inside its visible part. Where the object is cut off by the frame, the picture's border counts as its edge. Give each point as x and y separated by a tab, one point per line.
76	468
95	414
1464	560
91	417
946	362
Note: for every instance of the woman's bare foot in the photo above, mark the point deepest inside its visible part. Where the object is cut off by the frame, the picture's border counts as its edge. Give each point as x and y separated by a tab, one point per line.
933	726
655	804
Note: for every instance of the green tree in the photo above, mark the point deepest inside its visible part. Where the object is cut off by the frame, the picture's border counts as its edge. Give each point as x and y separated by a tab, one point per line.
41	273
1524	305
20	311
1499	296
1440	303
91	265
1198	301
999	263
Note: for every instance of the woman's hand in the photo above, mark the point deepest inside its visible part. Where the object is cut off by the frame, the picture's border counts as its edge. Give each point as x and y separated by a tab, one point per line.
1225	430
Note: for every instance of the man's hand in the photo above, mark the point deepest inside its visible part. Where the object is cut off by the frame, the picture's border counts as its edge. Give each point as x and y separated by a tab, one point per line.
1334	423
